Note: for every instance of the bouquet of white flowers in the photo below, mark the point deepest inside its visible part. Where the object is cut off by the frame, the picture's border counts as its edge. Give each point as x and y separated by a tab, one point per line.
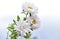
24	27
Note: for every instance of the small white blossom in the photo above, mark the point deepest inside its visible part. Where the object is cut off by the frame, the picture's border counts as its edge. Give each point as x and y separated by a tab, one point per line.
30	8
35	21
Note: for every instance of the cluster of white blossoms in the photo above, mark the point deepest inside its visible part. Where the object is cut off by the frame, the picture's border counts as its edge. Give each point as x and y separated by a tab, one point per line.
22	28
29	23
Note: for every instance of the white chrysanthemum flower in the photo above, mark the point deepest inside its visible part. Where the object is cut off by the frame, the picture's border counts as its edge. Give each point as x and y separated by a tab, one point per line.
22	28
30	8
34	21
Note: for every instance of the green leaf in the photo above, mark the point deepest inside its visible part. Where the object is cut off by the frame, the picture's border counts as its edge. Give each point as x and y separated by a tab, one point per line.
31	24
10	27
18	18
31	29
30	14
14	21
14	34
27	35
24	18
22	11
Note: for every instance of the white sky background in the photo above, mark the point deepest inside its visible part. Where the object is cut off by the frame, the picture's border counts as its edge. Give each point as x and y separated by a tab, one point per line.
49	14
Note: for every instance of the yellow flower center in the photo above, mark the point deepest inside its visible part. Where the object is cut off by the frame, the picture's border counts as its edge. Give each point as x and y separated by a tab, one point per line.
30	7
33	21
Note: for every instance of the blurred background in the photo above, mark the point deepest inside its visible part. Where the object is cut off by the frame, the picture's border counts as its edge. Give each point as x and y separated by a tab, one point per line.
48	12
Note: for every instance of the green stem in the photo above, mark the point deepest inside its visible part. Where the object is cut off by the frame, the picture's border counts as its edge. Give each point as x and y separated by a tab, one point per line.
27	38
7	34
26	15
